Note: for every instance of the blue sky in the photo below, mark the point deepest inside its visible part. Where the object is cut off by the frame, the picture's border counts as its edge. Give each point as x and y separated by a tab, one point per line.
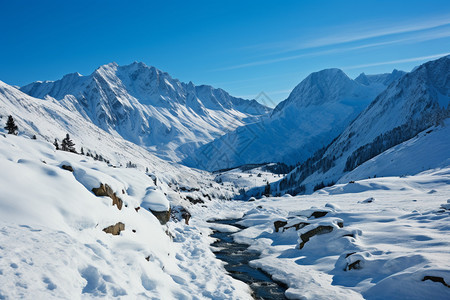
244	47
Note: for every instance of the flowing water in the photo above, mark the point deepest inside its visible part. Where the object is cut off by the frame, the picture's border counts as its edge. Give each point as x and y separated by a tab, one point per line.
237	256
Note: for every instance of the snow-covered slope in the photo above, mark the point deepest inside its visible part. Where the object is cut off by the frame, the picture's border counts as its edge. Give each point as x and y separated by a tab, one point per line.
382	79
148	107
53	244
417	101
49	120
380	238
316	111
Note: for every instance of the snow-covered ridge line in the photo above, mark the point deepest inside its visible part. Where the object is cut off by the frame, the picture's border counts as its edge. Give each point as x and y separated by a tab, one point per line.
150	108
316	112
413	103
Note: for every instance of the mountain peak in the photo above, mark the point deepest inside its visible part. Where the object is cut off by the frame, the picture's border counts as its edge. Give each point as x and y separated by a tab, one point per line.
327	85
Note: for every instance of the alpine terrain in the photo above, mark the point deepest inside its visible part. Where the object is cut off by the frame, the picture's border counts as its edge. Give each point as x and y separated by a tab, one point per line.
129	184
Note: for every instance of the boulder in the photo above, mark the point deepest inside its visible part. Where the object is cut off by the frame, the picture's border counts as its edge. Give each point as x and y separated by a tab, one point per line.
436	279
162	216
321	229
67	168
318	214
279	224
297	226
105	190
115	229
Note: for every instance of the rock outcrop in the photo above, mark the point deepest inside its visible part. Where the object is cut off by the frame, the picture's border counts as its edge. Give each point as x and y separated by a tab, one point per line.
115	229
162	216
105	190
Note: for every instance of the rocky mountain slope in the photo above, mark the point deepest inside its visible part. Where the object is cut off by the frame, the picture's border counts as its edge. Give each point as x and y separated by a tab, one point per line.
149	108
316	112
417	101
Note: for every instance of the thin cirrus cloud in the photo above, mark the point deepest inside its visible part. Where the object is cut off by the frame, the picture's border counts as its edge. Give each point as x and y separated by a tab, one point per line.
435	29
399	61
363	33
413	39
376	33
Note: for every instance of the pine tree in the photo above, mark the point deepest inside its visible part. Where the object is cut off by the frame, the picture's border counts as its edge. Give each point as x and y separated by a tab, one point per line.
82	151
55	143
267	189
68	145
11	126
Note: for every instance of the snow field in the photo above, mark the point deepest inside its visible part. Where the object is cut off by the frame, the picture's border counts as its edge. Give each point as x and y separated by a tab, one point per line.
52	245
384	250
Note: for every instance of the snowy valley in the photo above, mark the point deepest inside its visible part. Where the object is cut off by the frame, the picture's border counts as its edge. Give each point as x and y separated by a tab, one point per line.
342	191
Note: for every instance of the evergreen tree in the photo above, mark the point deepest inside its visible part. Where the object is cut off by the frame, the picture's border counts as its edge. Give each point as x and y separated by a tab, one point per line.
82	151
11	126
68	145
267	190
55	143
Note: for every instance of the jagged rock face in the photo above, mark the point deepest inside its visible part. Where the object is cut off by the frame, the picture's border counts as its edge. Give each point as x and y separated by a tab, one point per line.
150	108
115	229
105	190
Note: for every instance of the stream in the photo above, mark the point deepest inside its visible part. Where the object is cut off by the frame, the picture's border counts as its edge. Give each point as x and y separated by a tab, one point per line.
237	258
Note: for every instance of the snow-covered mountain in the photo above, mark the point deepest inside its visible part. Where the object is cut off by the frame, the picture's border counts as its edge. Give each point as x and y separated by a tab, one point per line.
148	107
316	112
415	102
61	239
48	119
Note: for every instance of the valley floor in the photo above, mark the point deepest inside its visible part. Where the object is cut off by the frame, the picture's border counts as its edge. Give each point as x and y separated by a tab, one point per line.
395	234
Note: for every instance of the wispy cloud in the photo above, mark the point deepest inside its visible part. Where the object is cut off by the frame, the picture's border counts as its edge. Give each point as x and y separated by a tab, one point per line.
416	38
399	61
355	33
352	36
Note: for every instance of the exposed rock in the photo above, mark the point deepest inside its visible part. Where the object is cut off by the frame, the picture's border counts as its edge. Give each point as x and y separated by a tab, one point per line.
162	216
368	200
348	254
297	226
321	229
436	279
356	265
194	201
186	216
67	167
318	214
179	213
137	208
148	258
105	190
279	224
115	229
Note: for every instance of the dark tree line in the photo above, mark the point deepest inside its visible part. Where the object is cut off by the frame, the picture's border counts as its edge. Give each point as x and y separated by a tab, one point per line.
390	139
316	163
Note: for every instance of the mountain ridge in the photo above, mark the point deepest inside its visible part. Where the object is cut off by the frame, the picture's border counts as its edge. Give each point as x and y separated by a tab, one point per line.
316	111
148	107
